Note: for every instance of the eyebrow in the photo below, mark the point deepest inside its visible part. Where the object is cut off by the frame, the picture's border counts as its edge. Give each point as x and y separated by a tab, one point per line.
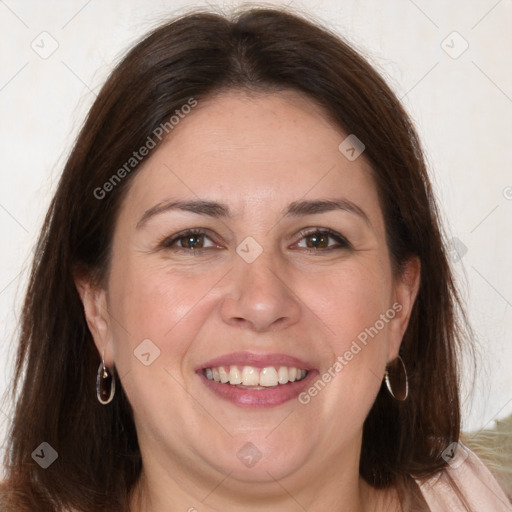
299	208
220	210
209	208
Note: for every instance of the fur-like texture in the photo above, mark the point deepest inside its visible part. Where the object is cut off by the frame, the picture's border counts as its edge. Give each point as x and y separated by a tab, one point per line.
494	447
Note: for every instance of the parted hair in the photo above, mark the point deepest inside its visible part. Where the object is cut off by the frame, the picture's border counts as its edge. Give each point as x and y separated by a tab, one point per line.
196	56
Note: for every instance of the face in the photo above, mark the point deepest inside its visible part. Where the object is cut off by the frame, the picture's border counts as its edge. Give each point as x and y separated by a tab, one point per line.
250	248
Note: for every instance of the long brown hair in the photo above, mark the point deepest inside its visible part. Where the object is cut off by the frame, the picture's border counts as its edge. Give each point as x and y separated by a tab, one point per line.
195	56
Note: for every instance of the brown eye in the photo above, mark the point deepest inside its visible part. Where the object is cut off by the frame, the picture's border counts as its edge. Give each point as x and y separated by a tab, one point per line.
322	240
317	241
189	241
192	241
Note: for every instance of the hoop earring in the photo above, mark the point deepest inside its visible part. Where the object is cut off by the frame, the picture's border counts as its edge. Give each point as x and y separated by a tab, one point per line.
396	380
105	383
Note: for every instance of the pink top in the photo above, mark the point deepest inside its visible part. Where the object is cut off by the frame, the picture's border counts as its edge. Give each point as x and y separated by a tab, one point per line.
475	481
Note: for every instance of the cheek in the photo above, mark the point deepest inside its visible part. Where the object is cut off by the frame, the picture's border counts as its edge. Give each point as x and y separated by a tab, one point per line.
150	302
169	307
157	315
352	305
348	300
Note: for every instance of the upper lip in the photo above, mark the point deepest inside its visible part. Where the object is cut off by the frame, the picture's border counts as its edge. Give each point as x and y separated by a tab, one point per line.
256	360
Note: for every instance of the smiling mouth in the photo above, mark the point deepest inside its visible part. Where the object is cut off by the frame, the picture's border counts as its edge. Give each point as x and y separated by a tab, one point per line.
251	377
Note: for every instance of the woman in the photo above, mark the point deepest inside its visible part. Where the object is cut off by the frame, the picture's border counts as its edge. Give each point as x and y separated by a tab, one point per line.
240	299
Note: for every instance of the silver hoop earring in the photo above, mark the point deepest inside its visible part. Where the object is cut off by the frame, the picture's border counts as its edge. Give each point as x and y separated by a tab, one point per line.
105	383
396	380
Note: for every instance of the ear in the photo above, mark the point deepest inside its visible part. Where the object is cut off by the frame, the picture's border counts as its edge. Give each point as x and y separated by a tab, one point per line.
406	287
94	301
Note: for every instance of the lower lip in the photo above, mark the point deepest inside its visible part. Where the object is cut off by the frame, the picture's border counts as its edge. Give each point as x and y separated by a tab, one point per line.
271	397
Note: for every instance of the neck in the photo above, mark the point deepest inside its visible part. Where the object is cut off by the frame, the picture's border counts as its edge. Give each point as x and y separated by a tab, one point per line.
177	489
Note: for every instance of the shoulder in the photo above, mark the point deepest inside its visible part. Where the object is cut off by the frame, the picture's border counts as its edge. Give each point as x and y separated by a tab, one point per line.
471	477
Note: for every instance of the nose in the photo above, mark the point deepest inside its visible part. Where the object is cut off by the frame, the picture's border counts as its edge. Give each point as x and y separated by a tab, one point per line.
260	296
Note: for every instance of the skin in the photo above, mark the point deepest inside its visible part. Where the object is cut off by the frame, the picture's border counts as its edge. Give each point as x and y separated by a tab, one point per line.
256	154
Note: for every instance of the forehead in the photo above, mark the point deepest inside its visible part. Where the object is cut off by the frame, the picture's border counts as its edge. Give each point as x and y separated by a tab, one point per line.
250	148
260	126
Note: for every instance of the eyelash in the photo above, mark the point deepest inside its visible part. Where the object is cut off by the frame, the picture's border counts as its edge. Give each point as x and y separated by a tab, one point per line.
342	241
167	243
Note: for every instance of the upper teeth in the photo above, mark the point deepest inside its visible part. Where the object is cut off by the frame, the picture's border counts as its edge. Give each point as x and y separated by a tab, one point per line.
251	376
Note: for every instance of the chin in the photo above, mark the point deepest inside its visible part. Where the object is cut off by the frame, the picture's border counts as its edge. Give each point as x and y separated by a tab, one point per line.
260	459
